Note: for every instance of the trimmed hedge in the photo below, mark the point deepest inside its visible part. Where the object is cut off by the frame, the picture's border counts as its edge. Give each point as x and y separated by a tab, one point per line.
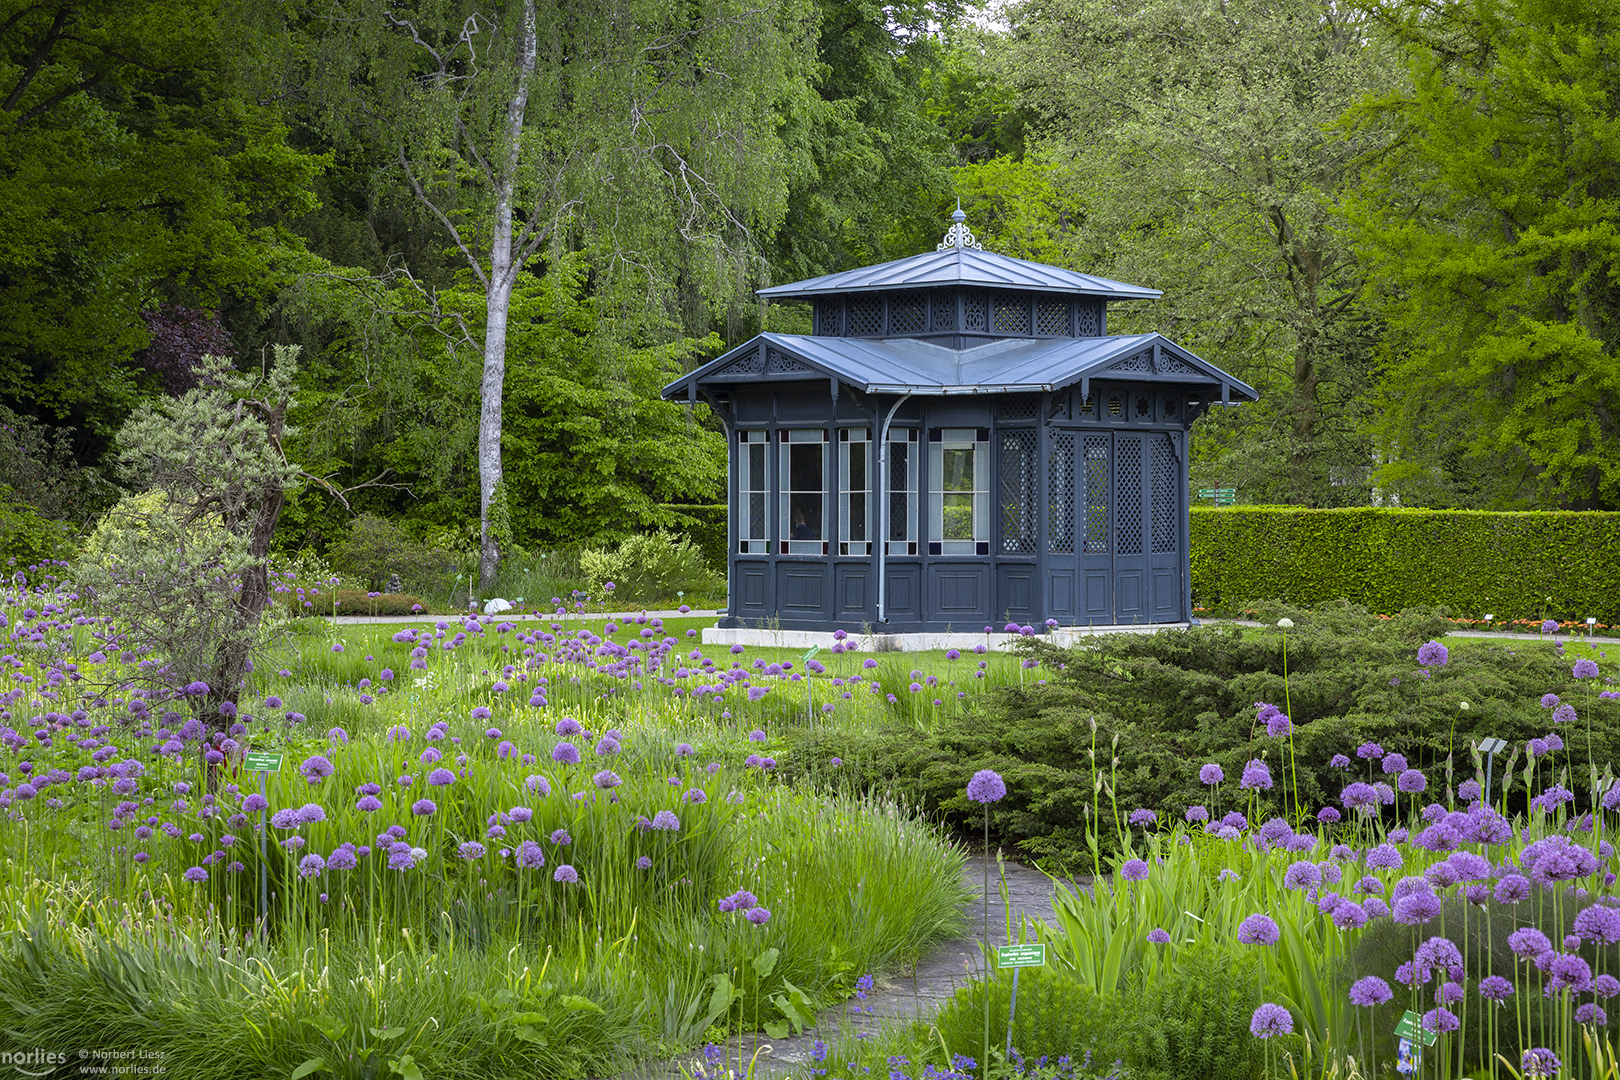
1535	565
706	525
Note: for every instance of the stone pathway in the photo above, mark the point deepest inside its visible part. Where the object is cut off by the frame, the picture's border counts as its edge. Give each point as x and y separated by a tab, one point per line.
897	997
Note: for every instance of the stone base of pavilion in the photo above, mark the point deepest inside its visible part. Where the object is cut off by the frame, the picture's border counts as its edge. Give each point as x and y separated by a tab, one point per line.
914	642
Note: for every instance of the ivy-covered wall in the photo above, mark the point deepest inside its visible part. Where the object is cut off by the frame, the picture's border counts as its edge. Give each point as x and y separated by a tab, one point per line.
1535	565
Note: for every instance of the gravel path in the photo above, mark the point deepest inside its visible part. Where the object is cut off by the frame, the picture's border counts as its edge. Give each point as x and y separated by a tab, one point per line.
906	996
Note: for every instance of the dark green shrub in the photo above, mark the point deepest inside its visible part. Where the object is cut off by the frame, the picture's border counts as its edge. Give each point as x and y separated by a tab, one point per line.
1537	565
706	526
649	567
377	549
1056	1016
26	536
1193	1019
1178	699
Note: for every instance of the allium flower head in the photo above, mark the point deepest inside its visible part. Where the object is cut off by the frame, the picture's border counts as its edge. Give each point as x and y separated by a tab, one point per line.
1370	991
757	915
1158	936
1411	782
1495	988
1270	1020
529	856
605	779
1256	775
1585	669
423	807
566	874
986	787
566	753
316	768
1432	654
1211	774
1393	764
1540	1062
1258	929
1134	870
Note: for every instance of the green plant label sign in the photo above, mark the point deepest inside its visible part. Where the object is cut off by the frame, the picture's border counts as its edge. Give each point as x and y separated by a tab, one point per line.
1017	956
811	655
262	761
1410	1026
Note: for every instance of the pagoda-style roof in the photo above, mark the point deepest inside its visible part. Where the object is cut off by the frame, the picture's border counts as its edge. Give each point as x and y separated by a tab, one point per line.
1011	365
960	261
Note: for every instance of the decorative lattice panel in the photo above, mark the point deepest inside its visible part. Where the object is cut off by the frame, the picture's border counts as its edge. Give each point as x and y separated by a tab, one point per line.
1174	365
1164	495
1144	406
1060	495
1089	321
779	363
908	313
1011	313
1022	407
1087	408
975	312
1142	362
1116	407
865	316
830	317
1052	318
1128	521
942	311
1096	480
751	363
1172	407
1017	492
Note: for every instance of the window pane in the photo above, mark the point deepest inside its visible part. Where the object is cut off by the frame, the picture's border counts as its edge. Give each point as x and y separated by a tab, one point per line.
756	516
899	515
956	470
959	521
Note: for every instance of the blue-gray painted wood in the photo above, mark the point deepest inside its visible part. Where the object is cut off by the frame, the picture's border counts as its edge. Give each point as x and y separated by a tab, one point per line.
1020	354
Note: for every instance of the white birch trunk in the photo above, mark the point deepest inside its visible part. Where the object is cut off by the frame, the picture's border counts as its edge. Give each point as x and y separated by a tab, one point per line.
504	267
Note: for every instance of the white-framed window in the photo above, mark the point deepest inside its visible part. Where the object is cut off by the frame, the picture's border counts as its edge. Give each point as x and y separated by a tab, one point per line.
855	489
753	491
902	484
959	491
804	491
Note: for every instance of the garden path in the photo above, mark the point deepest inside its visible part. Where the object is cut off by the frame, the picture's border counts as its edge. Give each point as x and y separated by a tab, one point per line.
903	997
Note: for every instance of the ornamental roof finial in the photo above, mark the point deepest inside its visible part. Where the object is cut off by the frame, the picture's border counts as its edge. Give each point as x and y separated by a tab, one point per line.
958	236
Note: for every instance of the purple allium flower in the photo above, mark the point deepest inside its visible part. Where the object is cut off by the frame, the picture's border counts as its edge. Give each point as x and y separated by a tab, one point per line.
1270	1020
986	787
757	915
1385	857
1328	816
666	821
309	814
1528	943
341	859
1441	1020
1256	775
607	745
529	856
368	804
561	838
471	850
480	713
1143	817
1375	908
316	768
606	779
311	866
643	863
1416	908
1564	714
1369	750
1302	875
1258	929
1370	991
565	873
1591	1013
1158	936
1432	654
1197	813
1606	986
1566	971
254	803
1134	870
1600	924
566	753
196	873
441	777
1393	764
1211	774
423	807
1540	1062
1339	761
1495	988
1358	795
1585	669
1411	782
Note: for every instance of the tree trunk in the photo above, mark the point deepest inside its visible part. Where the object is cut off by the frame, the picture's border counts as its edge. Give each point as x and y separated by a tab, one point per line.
504	267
